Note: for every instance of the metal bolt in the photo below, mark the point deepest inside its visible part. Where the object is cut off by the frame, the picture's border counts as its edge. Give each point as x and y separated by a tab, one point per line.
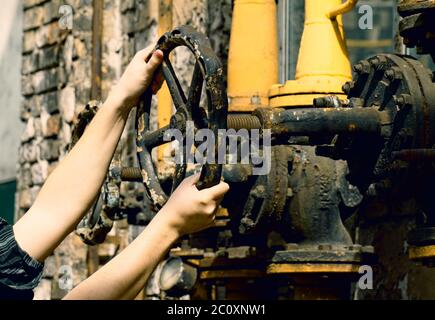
358	68
393	74
348	86
402	100
378	62
362	67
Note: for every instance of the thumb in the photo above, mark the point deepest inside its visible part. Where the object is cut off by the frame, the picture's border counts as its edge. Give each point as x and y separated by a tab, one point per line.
217	191
155	61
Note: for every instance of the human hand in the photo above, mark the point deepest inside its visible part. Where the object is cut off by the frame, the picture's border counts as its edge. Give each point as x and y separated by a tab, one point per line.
142	71
190	210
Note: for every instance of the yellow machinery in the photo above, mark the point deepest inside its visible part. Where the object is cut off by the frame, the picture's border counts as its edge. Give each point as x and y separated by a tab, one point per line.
323	63
253	54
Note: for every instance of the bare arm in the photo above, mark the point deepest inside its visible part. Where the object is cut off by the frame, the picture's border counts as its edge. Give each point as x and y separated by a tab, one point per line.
188	210
72	187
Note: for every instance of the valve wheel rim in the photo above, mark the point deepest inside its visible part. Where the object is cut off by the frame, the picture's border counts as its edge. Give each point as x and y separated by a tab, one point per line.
208	70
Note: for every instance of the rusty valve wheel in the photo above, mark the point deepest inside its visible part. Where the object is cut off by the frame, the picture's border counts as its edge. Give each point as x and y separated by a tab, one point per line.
208	70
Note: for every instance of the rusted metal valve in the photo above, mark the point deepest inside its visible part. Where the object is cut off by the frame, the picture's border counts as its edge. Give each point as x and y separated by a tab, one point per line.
209	71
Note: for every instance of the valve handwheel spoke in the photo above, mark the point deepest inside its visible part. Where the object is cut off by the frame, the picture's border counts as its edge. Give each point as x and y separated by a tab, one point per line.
208	69
174	85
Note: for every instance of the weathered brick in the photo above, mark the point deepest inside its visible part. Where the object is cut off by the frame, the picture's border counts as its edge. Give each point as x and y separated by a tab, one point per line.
83	95
80	3
38	127
29	63
29	152
47	35
31	3
25	180
83	19
49	149
51	125
79	49
67	103
29	41
29	131
48	57
51	10
27	85
26	108
48	101
33	18
45	80
39	172
65	136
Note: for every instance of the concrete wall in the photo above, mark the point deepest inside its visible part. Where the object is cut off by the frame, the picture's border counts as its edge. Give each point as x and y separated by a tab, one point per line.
10	94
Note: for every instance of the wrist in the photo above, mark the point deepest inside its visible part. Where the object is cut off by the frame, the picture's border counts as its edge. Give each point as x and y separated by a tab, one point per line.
162	222
119	100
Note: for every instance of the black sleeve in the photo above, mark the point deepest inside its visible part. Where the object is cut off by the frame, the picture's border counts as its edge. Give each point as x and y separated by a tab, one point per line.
19	273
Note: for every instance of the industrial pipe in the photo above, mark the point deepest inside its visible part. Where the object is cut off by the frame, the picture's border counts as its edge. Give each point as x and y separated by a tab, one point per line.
342	9
326	121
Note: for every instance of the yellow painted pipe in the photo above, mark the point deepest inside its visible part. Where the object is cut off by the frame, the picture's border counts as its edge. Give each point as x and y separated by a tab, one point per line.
342	9
323	50
253	54
323	63
164	100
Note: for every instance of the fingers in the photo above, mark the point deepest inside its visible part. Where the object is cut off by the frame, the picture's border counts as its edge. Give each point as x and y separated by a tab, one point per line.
155	61
145	54
152	58
157	81
193	179
217	191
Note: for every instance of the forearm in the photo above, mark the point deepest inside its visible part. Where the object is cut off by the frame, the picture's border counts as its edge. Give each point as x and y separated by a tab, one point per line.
126	274
73	186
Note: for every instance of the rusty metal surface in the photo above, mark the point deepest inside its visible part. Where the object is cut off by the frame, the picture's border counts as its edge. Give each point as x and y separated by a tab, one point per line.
208	70
322	268
406	7
402	91
402	153
311	121
417	27
326	253
320	193
264	207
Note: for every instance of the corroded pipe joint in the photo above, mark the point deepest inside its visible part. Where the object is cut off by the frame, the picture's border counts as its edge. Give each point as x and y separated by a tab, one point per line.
327	121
